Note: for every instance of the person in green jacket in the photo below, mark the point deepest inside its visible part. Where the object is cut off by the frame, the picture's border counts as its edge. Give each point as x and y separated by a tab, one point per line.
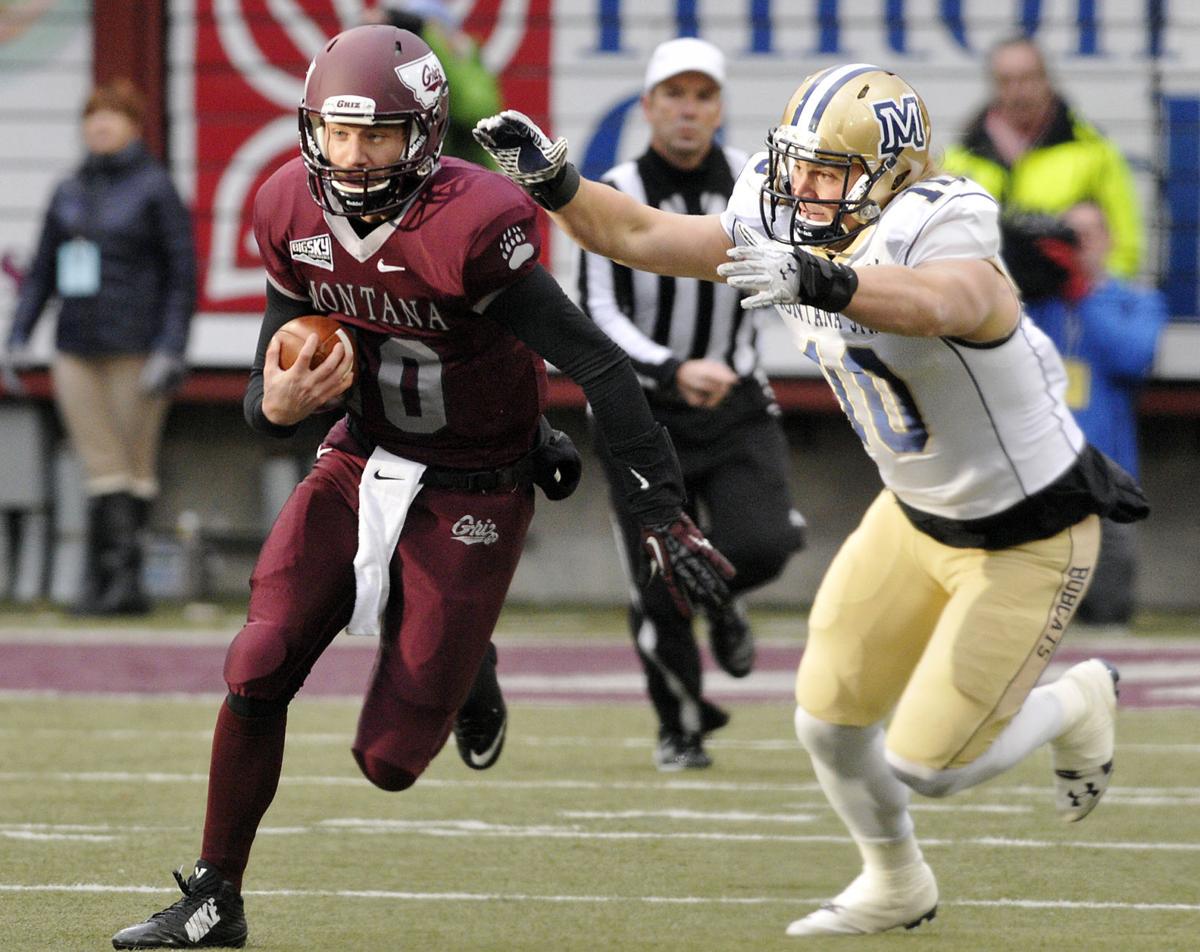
1035	154
475	90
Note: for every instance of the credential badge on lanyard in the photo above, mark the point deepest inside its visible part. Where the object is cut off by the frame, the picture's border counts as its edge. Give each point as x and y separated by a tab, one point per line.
78	268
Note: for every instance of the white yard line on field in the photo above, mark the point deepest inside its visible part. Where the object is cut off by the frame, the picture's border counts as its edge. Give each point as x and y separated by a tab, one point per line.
406	896
1139	796
204	735
476	828
472	827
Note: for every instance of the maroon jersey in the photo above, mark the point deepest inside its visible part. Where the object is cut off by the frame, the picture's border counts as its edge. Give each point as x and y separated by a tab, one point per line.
437	382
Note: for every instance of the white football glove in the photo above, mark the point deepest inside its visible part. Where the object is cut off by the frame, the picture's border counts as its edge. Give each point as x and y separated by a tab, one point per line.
782	276
770	271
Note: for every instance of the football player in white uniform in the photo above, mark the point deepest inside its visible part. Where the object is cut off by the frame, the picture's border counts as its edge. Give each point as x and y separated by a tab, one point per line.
942	610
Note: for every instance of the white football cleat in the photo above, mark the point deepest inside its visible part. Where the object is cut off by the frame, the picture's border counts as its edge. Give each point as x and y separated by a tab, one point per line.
875	902
1083	753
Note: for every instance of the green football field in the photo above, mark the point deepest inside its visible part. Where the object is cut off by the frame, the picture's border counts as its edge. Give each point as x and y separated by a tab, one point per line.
572	841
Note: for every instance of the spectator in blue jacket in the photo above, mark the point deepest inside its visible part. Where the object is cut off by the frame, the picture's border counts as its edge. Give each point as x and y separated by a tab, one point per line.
116	253
1107	330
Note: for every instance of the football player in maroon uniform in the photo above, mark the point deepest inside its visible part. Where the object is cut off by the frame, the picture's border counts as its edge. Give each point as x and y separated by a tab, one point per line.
423	490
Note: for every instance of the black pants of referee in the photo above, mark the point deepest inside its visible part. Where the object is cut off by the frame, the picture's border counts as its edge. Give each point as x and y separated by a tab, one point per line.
738	492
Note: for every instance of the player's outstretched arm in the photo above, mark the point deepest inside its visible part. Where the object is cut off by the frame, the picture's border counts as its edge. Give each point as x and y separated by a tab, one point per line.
961	297
599	218
537	311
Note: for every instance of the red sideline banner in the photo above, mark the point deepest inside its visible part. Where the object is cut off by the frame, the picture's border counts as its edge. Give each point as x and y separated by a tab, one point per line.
238	75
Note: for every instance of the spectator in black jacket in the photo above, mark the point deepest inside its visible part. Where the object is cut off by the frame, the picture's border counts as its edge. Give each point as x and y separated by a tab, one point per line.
116	251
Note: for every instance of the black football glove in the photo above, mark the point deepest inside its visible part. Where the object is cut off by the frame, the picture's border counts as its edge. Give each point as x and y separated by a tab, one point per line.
557	466
527	156
780	275
691	568
1040	252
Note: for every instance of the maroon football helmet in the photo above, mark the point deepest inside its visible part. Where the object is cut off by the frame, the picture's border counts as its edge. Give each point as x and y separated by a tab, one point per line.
364	76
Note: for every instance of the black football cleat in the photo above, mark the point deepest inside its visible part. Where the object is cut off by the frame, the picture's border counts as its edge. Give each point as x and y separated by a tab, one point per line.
680	752
210	915
482	720
730	638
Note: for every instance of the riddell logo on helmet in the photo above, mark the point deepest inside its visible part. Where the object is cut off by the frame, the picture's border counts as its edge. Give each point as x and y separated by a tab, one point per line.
425	79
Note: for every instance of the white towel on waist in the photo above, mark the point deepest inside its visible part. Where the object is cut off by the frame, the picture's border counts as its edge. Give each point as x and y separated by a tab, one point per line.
388	486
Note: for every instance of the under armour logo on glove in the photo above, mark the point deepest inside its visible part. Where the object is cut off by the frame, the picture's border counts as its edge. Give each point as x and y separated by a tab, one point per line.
522	151
691	568
783	276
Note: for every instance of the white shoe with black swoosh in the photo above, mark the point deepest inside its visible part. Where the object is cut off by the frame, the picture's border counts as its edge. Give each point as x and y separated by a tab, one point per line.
482	721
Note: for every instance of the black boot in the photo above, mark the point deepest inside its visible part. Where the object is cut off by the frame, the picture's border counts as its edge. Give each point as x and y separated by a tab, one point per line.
123	517
95	571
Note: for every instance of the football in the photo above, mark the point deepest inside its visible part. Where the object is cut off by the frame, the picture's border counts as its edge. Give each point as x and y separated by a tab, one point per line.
295	332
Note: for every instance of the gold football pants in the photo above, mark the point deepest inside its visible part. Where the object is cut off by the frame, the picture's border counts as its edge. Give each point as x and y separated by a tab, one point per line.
949	640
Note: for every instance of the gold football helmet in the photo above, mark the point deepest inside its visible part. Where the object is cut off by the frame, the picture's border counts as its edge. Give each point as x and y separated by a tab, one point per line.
860	118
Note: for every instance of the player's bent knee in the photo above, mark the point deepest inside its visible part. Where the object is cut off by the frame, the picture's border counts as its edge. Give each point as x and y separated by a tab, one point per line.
244	706
830	743
384	775
760	562
256	661
926	781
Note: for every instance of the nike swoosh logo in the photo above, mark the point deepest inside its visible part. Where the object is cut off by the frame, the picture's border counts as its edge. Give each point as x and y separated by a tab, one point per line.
480	759
385	268
656	557
644	483
379	475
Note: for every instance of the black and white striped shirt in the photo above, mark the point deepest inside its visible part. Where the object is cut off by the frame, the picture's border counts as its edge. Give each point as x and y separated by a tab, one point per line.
662	321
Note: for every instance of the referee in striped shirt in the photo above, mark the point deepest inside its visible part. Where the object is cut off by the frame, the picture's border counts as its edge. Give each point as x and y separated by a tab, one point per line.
696	352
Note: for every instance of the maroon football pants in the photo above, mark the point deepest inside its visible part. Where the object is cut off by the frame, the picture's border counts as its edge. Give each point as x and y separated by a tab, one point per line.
449	576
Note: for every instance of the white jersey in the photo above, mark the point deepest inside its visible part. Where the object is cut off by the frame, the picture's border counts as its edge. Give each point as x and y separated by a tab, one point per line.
958	430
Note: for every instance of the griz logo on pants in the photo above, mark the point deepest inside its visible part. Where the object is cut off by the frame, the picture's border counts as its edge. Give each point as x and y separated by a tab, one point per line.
470	531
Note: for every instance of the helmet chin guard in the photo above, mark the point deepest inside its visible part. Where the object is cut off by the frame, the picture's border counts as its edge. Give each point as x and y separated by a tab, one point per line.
373	75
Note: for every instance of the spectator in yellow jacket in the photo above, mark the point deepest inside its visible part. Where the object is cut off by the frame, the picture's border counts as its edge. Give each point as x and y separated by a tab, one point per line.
1034	153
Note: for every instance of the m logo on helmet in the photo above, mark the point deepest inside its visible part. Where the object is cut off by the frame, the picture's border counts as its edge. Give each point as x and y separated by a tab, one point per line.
901	124
425	78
